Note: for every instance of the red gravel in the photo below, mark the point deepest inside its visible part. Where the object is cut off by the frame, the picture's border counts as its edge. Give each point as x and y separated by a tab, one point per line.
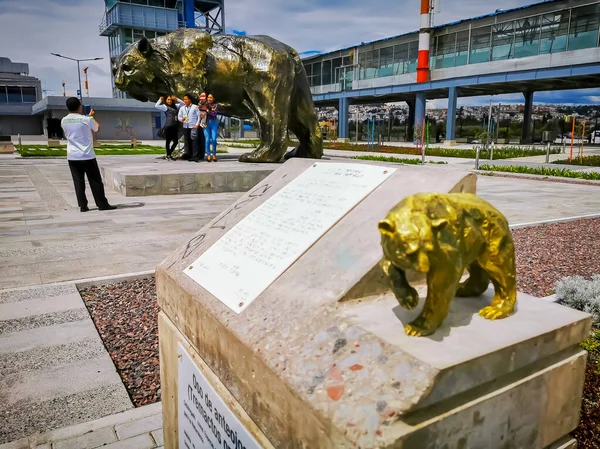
125	314
546	254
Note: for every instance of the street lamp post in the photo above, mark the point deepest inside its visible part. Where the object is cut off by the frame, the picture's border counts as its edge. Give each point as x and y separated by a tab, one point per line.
78	68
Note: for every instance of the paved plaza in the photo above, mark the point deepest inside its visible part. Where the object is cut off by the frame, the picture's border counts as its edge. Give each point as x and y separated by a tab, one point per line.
54	370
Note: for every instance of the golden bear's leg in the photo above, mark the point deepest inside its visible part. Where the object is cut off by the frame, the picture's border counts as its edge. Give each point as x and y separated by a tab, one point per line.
501	269
441	287
477	283
269	104
406	295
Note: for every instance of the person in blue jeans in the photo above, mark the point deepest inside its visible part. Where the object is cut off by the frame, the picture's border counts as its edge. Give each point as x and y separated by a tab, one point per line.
212	128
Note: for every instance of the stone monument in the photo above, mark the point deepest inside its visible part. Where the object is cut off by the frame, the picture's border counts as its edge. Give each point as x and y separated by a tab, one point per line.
6	145
278	329
249	76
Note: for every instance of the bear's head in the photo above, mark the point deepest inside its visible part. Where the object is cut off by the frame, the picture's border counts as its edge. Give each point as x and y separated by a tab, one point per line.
143	72
407	238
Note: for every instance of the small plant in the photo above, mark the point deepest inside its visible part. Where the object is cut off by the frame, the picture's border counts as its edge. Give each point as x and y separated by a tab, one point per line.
544	171
588	161
580	294
500	152
397	160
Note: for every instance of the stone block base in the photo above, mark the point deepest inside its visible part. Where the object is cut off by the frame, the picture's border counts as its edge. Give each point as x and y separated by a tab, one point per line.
175	178
531	408
450	143
7	148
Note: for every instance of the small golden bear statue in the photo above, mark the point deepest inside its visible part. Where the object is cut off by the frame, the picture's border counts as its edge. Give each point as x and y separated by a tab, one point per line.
442	235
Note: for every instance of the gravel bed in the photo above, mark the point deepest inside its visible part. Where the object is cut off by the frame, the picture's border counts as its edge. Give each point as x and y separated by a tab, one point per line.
125	314
546	254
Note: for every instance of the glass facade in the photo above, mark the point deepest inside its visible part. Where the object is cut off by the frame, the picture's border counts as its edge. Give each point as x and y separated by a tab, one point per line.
558	31
17	95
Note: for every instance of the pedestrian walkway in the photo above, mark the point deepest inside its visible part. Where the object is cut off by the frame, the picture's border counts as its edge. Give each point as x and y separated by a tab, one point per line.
54	369
46	239
139	428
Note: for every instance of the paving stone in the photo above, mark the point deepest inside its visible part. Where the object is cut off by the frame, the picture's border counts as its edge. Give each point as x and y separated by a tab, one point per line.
93	439
143	441
47	319
25	418
46	291
44	357
140	426
158	437
34	307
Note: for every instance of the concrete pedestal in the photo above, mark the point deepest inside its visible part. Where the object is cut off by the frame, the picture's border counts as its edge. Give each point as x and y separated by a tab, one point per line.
174	178
320	359
7	148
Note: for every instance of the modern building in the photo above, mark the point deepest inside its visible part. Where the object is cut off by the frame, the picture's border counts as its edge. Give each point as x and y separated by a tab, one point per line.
18	93
119	118
552	45
127	21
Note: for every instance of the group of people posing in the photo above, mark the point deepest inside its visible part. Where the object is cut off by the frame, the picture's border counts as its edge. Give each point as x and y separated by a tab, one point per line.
200	126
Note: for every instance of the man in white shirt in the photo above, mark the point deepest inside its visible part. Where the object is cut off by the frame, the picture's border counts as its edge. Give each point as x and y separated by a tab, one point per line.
78	130
189	115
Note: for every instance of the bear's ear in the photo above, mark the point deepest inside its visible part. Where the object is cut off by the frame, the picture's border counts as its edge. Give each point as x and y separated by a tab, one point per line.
387	227
144	47
439	222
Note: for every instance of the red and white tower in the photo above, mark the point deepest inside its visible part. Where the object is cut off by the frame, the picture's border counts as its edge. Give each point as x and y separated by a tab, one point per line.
424	39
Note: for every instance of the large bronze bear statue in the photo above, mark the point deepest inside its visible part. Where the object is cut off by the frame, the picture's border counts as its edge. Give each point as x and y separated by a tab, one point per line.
441	235
248	75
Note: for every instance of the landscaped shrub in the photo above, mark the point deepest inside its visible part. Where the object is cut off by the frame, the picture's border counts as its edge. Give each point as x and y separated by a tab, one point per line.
588	161
397	160
580	294
503	152
544	171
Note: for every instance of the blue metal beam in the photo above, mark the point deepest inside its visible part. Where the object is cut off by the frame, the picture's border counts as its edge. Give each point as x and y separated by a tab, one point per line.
451	119
188	11
343	118
420	108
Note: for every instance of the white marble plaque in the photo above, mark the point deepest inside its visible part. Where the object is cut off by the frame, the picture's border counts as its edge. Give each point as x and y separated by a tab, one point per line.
239	266
205	421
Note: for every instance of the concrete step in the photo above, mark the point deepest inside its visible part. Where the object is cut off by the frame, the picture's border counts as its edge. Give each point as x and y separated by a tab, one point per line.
54	369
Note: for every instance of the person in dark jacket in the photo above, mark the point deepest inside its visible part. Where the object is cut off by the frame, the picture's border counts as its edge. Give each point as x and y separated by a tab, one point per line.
171	108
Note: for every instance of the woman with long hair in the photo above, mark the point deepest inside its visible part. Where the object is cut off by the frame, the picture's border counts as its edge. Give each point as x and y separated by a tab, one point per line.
211	131
171	108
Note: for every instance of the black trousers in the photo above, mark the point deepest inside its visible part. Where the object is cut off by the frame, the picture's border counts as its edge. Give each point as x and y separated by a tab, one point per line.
194	149
171	138
89	168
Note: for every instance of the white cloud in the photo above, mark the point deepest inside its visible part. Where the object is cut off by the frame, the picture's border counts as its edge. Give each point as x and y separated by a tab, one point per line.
31	30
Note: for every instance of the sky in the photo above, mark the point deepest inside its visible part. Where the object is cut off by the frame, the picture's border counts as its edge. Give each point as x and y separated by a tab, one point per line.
32	29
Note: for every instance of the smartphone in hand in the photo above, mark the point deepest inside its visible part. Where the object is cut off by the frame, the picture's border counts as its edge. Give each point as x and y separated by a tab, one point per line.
87	108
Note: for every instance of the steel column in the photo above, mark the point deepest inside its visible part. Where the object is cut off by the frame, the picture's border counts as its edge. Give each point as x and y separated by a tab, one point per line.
526	131
344	118
420	108
451	119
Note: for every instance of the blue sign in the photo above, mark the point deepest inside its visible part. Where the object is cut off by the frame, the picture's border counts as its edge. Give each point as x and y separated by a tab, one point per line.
78	93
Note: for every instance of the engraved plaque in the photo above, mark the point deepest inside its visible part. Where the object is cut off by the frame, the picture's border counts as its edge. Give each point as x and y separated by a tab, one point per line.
238	267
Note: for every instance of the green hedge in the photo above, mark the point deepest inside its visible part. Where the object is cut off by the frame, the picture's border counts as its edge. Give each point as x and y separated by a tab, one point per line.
397	160
589	161
504	152
544	171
